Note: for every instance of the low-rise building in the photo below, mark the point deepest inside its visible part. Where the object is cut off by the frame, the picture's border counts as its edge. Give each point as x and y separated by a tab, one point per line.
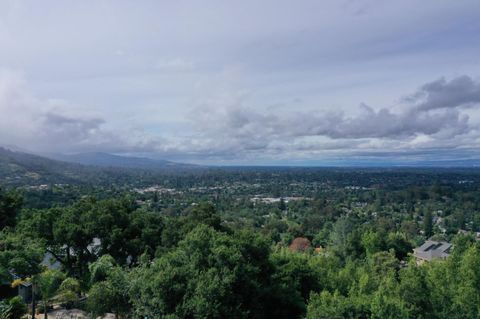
432	250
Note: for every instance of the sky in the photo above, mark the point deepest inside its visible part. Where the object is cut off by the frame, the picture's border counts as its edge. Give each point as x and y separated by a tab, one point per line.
269	82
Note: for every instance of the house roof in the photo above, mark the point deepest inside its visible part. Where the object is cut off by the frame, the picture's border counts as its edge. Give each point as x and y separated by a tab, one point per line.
50	262
433	249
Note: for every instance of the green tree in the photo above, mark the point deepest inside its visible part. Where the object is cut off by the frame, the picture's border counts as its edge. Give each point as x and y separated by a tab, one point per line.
466	302
74	230
385	306
10	203
372	242
47	284
281	205
109	290
204	213
400	244
428	223
20	255
294	278
339	237
13	308
69	291
209	275
326	305
415	292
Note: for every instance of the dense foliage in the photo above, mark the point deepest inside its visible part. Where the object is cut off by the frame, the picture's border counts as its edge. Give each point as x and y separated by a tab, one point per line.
217	244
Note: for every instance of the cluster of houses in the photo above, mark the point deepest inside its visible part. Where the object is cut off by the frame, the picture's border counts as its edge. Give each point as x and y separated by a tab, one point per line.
156	188
273	200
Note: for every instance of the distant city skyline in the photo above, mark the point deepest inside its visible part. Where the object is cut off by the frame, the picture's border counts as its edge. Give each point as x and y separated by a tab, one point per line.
244	82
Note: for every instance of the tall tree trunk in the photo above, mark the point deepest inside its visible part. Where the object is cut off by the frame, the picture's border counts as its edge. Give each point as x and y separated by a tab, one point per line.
80	263
45	310
69	262
33	301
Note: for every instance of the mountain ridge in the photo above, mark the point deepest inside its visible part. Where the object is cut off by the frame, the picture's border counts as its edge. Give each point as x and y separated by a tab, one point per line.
103	159
18	168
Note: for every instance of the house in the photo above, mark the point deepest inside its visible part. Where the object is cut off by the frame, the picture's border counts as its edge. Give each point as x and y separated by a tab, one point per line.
432	250
23	289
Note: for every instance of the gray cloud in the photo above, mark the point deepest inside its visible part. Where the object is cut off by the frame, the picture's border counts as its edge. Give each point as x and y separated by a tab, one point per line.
236	128
379	124
70	129
240	122
460	91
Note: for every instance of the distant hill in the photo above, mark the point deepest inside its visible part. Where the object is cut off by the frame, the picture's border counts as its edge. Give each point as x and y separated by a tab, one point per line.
19	168
111	160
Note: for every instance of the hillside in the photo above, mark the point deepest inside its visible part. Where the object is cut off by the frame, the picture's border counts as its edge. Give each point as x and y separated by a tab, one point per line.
111	160
18	168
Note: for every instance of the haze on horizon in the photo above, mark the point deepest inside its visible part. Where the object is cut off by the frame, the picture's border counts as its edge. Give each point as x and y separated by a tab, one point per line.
245	82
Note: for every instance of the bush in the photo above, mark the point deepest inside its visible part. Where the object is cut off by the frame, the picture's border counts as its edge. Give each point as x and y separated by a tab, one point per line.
16	308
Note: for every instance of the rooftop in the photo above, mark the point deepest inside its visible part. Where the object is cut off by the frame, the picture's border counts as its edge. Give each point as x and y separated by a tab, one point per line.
432	250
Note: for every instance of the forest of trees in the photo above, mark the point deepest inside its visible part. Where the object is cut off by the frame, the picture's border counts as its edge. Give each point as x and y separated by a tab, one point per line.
219	255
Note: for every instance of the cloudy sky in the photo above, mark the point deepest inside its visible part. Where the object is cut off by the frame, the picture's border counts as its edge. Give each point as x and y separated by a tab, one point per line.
243	82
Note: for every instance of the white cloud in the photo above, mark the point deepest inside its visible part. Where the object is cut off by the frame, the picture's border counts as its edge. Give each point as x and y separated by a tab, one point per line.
53	125
196	81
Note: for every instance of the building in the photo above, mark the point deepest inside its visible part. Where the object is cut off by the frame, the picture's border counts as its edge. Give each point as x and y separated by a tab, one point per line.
24	288
25	291
432	250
